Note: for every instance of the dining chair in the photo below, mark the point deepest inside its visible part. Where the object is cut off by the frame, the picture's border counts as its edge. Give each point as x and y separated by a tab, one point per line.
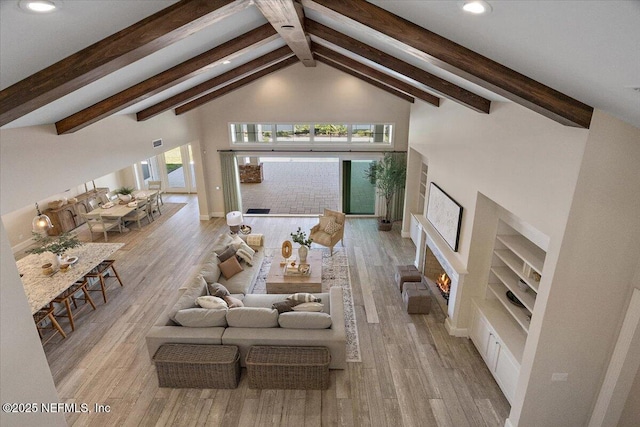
94	204
102	272
154	205
69	296
44	314
100	224
141	212
157	186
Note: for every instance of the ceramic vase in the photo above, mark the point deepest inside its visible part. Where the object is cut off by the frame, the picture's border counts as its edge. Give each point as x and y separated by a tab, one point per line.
303	251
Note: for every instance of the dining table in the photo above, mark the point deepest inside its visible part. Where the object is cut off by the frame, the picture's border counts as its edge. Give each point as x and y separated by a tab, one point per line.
41	289
118	209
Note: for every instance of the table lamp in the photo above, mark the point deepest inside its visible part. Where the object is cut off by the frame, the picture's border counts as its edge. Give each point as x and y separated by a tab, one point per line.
234	221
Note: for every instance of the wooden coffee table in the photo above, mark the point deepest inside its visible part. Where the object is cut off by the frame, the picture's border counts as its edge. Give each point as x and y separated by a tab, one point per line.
279	283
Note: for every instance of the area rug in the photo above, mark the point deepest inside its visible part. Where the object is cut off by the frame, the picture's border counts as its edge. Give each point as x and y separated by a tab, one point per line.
335	272
258	211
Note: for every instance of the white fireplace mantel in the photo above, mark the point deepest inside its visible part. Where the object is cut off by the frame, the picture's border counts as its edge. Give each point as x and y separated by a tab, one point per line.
450	262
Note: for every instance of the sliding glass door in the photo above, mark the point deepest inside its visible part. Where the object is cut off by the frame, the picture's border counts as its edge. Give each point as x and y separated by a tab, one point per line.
358	192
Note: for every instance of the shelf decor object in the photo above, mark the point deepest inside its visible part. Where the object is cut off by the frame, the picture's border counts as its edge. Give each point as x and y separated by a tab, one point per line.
445	214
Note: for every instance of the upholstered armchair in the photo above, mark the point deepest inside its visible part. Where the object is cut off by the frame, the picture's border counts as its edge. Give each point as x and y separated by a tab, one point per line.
330	230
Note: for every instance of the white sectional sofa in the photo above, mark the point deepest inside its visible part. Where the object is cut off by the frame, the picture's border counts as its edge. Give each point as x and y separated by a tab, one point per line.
257	323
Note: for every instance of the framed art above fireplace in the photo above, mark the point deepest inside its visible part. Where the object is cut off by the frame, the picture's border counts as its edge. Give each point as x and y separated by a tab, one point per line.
445	214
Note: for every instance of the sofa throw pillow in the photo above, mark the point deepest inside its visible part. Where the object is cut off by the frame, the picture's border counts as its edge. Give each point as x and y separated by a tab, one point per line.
283	306
217	290
226	254
332	227
211	302
301	297
304	320
233	302
324	221
245	256
202	317
230	267
252	317
236	241
309	306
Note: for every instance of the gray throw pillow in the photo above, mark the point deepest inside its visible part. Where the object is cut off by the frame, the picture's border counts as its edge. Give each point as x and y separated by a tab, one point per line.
282	306
217	290
228	253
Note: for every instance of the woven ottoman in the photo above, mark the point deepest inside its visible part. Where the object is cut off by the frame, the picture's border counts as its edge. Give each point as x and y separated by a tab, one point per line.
198	366
275	367
416	298
407	273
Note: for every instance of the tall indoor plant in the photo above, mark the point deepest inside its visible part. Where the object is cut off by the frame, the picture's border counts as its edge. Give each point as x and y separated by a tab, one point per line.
388	175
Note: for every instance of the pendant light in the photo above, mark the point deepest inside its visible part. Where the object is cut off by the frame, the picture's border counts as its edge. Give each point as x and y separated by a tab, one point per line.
40	222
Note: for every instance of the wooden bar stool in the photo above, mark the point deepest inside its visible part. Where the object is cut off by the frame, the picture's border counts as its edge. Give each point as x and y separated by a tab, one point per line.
69	295
100	273
47	313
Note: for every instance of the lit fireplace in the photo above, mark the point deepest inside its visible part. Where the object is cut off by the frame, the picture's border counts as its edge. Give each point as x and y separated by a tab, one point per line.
444	284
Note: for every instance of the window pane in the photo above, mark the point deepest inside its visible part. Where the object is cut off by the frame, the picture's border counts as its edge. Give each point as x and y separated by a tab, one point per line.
264	133
330	132
284	133
362	133
302	133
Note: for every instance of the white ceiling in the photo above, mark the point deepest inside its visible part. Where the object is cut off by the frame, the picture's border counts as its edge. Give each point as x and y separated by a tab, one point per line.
588	49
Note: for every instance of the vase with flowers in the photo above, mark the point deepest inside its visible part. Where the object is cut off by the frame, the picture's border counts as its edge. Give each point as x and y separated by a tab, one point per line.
300	237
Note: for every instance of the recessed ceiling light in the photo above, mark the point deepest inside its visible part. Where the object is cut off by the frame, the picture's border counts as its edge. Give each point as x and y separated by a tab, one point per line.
38	6
476	7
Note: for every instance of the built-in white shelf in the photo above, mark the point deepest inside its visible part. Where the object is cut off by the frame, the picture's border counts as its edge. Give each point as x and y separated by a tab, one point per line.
525	249
510	280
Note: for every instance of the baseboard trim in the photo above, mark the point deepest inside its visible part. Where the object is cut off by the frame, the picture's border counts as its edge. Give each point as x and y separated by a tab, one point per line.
405	234
507	423
217	215
21	246
205	217
456	332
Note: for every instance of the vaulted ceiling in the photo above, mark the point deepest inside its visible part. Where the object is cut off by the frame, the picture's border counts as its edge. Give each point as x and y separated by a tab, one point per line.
110	57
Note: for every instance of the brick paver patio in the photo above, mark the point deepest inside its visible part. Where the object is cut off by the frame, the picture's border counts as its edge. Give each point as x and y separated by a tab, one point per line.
295	187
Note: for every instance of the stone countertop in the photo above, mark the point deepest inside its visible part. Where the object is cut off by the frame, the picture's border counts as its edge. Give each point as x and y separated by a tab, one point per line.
41	289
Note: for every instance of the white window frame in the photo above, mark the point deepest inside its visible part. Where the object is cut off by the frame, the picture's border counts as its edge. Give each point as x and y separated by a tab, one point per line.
312	139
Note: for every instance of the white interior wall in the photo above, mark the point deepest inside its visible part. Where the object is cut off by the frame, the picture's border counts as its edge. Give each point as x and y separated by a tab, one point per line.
295	94
592	282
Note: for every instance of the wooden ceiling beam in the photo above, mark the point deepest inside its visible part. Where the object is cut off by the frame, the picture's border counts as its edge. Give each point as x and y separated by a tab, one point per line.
457	59
366	79
273	56
441	86
371	73
235	85
287	18
143	38
171	77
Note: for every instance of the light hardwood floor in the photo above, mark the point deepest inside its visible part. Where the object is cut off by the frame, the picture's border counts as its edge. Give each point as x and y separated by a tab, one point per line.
412	372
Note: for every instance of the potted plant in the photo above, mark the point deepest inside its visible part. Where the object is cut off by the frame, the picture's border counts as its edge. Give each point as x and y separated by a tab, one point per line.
125	194
57	246
388	175
300	237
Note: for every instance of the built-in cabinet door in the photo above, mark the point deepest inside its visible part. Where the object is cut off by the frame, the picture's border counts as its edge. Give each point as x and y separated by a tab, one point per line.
506	372
503	366
481	334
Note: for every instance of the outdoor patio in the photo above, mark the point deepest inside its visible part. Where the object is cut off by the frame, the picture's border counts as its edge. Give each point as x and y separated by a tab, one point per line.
296	186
